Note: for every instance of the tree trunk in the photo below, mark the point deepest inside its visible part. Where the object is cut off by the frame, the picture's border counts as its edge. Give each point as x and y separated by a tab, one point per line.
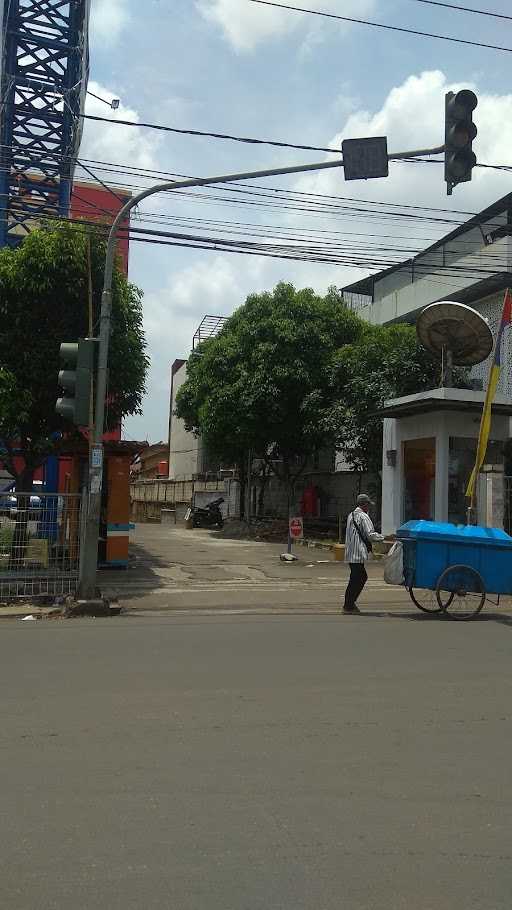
290	486
21	533
261	497
263	479
242	473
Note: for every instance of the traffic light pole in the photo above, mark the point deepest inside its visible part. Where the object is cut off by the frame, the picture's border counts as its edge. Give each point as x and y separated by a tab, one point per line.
89	550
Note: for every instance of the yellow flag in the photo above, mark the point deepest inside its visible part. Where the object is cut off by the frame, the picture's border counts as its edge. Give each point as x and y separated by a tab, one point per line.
492	385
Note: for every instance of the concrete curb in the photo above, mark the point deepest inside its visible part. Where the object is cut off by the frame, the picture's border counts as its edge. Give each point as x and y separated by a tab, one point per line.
73	612
21	612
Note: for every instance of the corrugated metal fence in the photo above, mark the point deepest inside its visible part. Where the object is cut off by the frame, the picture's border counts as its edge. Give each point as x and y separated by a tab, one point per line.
149	497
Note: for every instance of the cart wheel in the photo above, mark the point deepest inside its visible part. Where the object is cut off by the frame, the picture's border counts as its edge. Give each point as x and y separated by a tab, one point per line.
460	592
425	600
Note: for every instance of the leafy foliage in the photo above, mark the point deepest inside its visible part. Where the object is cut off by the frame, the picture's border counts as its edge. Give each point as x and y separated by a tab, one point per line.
385	362
43	302
14	402
264	383
292	373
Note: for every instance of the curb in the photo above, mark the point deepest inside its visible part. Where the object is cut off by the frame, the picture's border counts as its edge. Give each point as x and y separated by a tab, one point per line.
39	613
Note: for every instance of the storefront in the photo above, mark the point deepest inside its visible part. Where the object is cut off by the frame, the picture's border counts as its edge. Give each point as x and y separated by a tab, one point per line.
430	444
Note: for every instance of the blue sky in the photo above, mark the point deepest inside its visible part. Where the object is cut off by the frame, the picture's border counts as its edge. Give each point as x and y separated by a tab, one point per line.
237	67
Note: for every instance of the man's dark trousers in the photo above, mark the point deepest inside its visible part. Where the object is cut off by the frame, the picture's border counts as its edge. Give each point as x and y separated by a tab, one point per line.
358	579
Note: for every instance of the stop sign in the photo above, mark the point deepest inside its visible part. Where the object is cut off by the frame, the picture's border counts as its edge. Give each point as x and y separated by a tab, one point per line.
296	528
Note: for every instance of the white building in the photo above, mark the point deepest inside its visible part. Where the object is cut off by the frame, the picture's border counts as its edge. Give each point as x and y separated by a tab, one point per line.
185	449
430	440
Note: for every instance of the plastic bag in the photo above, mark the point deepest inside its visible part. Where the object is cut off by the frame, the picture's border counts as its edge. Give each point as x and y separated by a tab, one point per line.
394	565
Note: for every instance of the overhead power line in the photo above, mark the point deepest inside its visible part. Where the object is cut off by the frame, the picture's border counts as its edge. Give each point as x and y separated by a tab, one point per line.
252	141
94	176
465	9
307	250
226	136
273	198
392	28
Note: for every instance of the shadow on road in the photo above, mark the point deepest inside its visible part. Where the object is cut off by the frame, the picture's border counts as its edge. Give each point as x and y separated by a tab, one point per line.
142	570
502	618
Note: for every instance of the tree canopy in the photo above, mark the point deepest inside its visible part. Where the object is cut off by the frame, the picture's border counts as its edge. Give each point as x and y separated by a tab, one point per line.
44	300
264	383
385	362
292	372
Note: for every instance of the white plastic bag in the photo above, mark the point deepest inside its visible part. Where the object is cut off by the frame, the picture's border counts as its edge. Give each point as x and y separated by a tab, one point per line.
394	565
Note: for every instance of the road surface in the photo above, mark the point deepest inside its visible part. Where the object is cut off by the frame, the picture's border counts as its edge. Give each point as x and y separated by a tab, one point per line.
253	762
179	569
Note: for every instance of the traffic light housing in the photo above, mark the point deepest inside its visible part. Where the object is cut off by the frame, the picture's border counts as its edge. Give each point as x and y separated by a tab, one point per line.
459	157
78	359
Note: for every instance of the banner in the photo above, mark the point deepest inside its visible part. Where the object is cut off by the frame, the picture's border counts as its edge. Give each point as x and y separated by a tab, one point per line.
492	385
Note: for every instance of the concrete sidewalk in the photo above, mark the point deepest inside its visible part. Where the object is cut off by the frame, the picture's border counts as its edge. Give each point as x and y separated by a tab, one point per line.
174	568
182	571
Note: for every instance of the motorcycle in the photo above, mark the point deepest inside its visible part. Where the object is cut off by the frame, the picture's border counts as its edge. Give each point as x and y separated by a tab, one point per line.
208	517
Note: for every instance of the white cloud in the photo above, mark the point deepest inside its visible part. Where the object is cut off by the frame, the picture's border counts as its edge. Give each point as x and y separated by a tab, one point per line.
125	145
215	286
412	117
245	25
108	20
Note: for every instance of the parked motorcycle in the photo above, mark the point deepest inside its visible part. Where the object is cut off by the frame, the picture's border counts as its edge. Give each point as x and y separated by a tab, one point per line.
208	517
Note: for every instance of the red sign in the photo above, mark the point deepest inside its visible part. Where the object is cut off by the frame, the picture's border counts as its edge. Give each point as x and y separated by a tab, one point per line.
296	528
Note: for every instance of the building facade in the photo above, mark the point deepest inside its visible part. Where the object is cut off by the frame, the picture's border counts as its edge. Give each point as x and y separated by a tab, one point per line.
186	455
430	445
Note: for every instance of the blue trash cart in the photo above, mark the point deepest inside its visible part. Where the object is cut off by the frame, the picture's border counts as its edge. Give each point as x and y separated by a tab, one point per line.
453	568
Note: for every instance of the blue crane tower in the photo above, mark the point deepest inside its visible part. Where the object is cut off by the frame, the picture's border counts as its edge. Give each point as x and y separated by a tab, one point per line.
44	68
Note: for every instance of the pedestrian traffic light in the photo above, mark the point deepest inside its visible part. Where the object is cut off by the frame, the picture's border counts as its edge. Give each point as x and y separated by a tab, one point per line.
79	360
459	157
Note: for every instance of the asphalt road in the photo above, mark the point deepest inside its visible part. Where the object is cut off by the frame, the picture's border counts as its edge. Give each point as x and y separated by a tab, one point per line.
256	763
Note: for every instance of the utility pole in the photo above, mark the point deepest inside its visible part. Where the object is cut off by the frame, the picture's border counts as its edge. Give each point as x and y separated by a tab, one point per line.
89	555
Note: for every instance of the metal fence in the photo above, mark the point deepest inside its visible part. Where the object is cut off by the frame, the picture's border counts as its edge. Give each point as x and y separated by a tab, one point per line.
39	544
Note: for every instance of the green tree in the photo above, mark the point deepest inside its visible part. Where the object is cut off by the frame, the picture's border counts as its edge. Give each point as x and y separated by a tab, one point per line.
44	300
385	362
264	384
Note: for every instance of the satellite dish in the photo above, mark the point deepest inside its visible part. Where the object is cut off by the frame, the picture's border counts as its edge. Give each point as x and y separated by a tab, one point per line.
456	333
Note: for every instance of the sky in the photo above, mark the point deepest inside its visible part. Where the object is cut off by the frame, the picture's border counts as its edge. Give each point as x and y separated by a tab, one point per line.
242	68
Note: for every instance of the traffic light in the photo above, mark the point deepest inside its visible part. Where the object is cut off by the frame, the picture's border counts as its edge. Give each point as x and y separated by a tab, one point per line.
459	157
79	361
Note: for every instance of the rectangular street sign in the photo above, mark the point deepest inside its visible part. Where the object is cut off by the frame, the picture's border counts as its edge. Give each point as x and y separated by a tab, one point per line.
365	158
97	457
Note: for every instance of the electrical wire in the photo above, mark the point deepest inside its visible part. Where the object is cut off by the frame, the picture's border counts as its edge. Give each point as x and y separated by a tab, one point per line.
465	9
188	132
98	180
334	254
248	188
139	171
393	28
311	205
